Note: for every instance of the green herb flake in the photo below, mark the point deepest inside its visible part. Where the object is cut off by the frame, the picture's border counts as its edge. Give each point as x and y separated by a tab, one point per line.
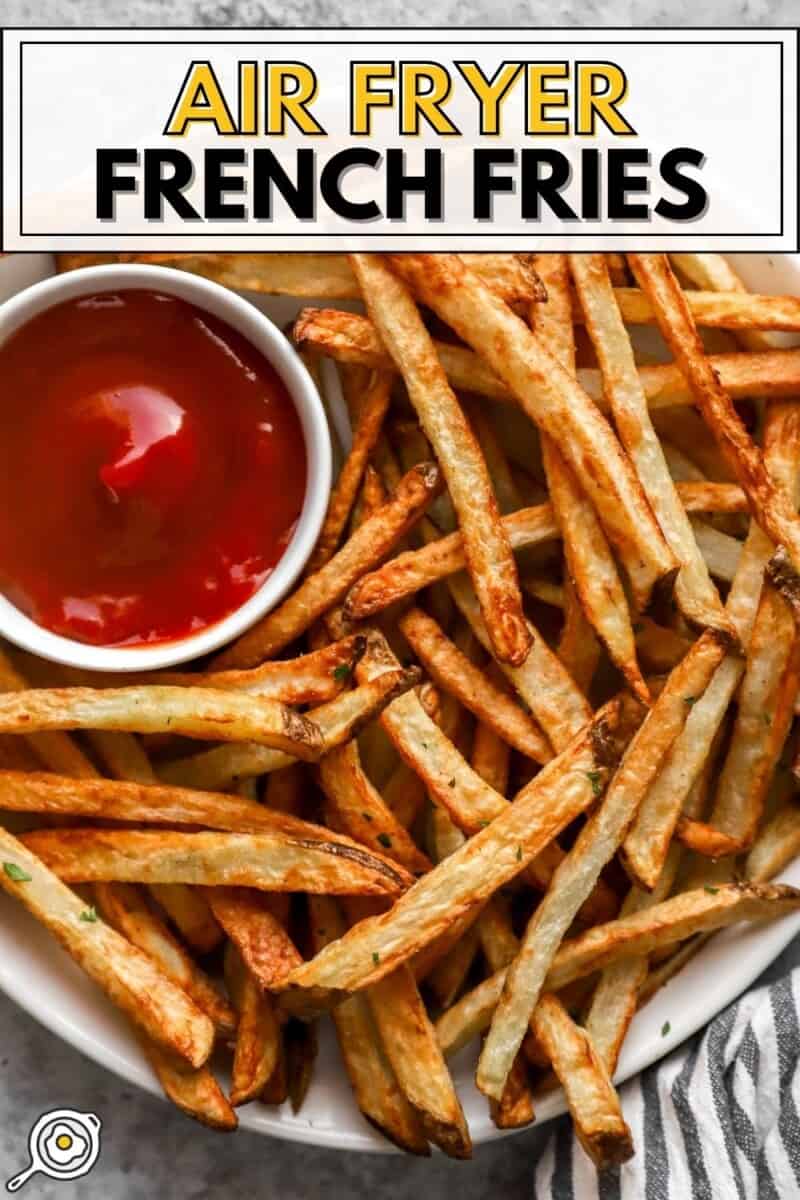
665	1028
637	627
89	915
452	782
16	873
342	672
712	891
519	853
483	824
596	780
376	958
767	719
385	840
689	700
367	816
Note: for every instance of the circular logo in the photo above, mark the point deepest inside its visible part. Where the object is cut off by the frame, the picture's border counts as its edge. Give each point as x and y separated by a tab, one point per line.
63	1144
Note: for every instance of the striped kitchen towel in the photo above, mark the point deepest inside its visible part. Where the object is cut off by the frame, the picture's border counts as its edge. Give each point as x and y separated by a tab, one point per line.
716	1120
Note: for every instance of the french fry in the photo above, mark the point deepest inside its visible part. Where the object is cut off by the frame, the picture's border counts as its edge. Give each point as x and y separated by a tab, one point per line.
339	720
355	807
778	842
258	1032
56	750
696	595
130	979
190	914
301	1048
563	789
714	273
542	681
454	672
515	1110
349	337
195	1092
489	558
593	1103
720	552
125	908
770	504
366	431
596	844
370	543
193	712
717	310
271	862
555	402
371	1077
409	1042
589	561
637	934
248	918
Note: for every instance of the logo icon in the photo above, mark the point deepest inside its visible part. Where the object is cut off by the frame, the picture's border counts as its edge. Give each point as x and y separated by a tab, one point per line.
63	1144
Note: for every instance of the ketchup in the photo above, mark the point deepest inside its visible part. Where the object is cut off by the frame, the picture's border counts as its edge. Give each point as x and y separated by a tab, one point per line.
152	469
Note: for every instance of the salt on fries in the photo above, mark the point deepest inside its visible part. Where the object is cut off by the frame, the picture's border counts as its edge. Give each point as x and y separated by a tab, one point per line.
493	765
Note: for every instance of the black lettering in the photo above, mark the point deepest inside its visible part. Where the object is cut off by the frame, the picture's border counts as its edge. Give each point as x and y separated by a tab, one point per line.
399	184
268	173
158	188
696	195
330	184
216	183
485	183
108	183
620	183
536	189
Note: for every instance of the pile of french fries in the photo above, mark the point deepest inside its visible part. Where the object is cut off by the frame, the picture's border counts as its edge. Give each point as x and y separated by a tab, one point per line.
519	742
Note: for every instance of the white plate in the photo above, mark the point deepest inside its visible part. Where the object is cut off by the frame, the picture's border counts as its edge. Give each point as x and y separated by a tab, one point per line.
40	977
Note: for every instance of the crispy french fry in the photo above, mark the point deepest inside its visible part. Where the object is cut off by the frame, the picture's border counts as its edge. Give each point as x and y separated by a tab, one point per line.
714	273
190	914
515	1110
696	595
778	842
370	543
372	1079
637	934
258	1032
554	401
563	789
125	908
355	807
454	672
409	1042
770	504
588	557
594	847
269	861
489	558
130	979
366	432
193	712
349	337
195	1092
56	750
248	918
301	1048
339	720
719	310
593	1103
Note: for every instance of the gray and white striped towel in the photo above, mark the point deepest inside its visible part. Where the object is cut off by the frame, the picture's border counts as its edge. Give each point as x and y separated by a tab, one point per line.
716	1120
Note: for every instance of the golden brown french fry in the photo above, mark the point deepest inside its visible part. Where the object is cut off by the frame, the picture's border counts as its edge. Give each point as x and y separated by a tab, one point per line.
719	310
491	755
515	1110
565	787
355	807
720	552
190	914
542	681
770	504
129	978
258	1033
714	273
446	978
778	842
249	919
349	337
589	561
339	720
195	1092
489	558
193	712
593	1103
277	1089
301	1046
366	431
554	401
578	647
271	862
454	672
637	934
285	789
595	846
409	1042
370	543
404	793
56	750
125	908
696	595
372	1079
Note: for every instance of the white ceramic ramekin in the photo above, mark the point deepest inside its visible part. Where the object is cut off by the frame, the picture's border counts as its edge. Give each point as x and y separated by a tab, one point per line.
270	341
